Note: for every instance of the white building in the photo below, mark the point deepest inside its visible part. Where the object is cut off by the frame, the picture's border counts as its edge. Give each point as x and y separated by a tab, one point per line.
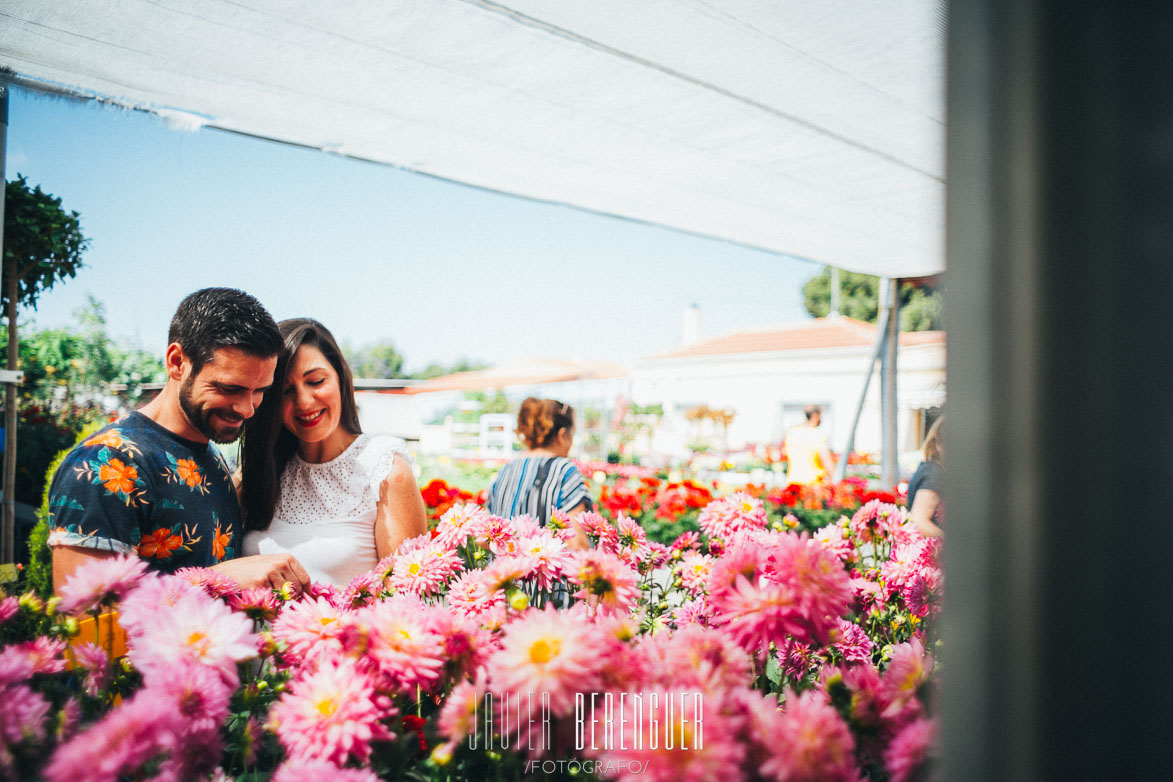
766	377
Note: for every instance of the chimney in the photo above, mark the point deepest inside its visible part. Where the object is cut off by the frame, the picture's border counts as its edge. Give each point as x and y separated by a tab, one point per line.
692	324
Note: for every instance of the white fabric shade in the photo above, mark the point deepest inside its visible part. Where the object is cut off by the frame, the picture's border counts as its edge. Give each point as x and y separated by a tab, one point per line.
809	129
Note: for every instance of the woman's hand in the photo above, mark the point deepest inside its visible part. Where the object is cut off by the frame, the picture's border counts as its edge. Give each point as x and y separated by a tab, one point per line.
401	512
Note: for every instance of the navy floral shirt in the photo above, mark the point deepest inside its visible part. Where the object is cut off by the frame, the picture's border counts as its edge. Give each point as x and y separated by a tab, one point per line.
135	486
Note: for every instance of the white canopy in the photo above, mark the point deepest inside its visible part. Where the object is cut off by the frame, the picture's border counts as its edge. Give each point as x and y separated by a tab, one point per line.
813	129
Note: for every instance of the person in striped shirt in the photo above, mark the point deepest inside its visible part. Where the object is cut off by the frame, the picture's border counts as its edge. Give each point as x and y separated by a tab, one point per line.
542	480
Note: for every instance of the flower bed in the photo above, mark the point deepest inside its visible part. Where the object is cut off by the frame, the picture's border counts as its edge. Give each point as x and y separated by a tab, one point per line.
488	650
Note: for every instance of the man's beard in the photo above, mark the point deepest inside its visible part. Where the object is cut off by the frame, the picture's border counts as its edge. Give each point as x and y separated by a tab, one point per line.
201	417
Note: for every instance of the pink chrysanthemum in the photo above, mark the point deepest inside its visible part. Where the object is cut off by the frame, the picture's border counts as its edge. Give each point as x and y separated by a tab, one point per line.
142	730
260	604
833	537
726	517
687	540
694	612
549	552
459	523
199	630
332	713
597	527
200	696
550	652
813	743
876	521
742	559
215	583
604	581
907	670
908	753
853	643
23	716
309	629
661	742
400	642
470	595
498	535
694	570
796	659
320	590
299	770
462	640
94	661
101	582
763	727
508	571
15	666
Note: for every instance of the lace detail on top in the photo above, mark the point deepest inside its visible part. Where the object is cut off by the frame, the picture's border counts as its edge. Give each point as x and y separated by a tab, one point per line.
344	487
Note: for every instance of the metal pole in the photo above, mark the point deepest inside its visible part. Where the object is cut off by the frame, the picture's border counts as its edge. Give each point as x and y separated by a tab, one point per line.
889	468
877	351
835	291
8	529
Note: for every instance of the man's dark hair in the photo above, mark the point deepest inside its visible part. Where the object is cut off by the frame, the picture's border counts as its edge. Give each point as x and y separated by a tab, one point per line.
215	318
810	411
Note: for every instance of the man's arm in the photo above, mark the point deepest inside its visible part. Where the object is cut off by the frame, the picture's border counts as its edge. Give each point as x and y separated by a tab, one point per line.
265	570
67	559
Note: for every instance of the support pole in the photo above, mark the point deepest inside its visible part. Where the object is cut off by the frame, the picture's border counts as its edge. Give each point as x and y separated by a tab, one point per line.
8	520
889	460
878	350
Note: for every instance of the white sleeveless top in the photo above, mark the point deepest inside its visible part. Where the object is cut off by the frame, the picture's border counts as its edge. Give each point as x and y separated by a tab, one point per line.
325	515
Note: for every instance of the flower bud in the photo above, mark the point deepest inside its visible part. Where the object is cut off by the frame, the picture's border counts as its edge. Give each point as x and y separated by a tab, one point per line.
51	605
518	600
30	602
442	755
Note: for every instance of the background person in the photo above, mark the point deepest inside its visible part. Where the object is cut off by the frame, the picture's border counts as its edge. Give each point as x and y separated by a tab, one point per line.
150	483
313	485
543	480
924	489
808	456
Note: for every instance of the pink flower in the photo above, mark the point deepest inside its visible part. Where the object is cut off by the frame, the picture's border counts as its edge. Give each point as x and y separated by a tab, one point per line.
694	612
45	654
922	593
549	552
200	696
508	571
15	666
332	714
470	595
598	528
605	582
726	517
656	738
876	521
101	582
459	715
319	590
424	570
908	669
299	770
687	540
362	590
309	629
23	716
212	581
813	743
259	605
9	607
694	657
853	643
833	537
93	659
694	570
400	641
908	752
143	729
551	652
459	523
197	629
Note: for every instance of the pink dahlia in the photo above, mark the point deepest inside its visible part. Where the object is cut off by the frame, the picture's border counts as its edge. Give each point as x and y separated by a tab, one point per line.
549	551
922	593
300	769
852	642
199	630
23	716
400	640
9	607
687	540
459	523
362	590
604	581
155	593
309	629
910	752
212	581
498	535
908	669
599	529
332	713
93	660
656	737
45	654
425	570
813	743
737	512
462	710
469	594
15	666
509	570
547	652
694	570
876	521
833	537
694	612
695	657
260	604
101	582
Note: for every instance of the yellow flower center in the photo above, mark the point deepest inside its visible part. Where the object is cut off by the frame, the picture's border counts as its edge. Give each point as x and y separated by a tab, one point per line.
327	620
327	706
544	650
199	641
414	568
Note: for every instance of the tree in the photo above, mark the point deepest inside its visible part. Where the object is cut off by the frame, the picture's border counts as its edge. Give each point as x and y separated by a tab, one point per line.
437	370
920	302
380	360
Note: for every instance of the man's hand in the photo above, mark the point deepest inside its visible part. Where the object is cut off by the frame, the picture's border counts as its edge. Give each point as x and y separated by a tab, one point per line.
265	570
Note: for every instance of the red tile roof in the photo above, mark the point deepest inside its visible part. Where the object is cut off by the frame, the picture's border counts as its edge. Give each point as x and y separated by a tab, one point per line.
522	372
816	334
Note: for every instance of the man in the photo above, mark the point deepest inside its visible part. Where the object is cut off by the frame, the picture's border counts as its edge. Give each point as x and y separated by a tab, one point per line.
151	483
809	458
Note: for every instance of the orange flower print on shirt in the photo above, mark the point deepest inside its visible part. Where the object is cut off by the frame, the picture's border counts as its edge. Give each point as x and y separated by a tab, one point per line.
159	544
220	541
117	476
189	472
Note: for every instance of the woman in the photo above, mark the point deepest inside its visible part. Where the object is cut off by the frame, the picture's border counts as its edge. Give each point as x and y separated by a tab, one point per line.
924	490
542	480
313	484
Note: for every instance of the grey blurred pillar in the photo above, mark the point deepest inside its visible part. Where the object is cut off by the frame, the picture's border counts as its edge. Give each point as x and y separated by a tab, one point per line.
1057	626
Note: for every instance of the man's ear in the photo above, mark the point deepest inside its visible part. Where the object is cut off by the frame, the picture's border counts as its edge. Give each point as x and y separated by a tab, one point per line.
176	362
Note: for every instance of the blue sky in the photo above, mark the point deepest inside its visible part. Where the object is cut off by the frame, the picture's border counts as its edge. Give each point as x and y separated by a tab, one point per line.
442	270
